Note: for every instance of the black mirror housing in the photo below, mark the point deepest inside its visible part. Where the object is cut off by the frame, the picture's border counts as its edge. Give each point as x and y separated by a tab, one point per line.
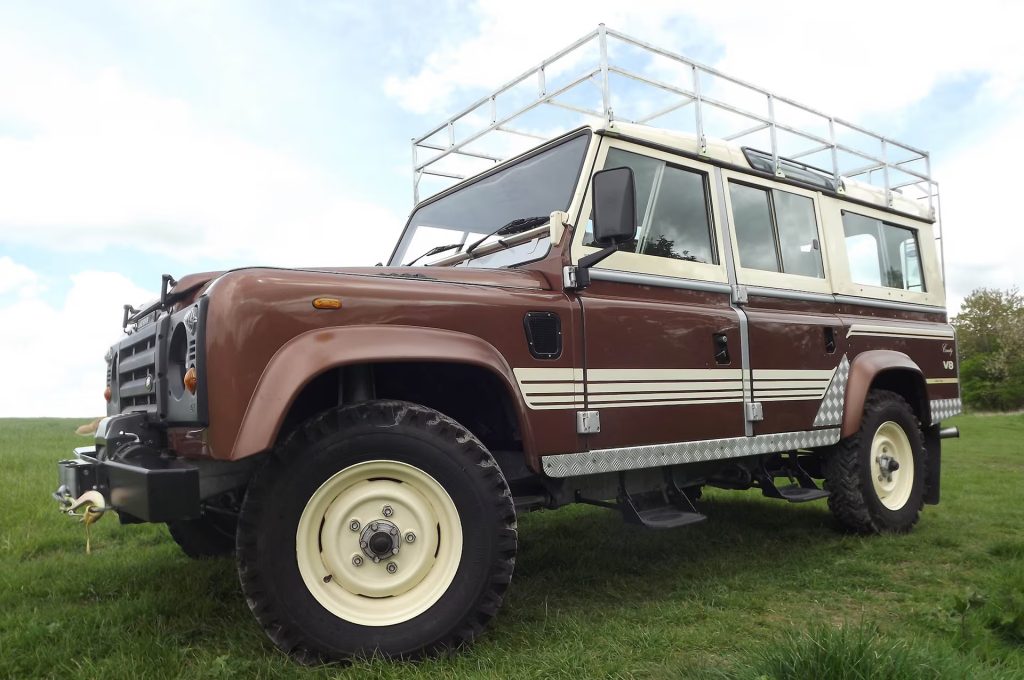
614	206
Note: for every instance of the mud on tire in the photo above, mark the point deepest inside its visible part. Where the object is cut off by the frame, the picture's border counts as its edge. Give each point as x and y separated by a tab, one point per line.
862	497
334	461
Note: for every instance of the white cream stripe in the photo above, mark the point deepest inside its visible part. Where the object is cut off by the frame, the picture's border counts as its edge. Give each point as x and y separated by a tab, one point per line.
785	374
596	388
608	398
646	374
900	331
548	388
942	381
818	394
557	399
737	400
778	384
547	374
816	397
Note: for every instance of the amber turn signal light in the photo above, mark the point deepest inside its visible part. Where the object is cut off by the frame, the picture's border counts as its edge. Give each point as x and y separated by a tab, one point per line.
190	380
107	393
326	303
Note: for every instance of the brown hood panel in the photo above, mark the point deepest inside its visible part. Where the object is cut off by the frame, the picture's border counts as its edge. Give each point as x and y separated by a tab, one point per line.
505	278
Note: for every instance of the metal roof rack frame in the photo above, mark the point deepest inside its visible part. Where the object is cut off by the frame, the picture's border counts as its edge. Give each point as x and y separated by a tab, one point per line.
596	78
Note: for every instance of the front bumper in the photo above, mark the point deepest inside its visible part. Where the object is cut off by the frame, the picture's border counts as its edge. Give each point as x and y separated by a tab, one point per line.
136	480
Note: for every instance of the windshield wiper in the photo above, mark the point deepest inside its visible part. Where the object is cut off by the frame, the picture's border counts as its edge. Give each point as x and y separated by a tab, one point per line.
434	251
514	227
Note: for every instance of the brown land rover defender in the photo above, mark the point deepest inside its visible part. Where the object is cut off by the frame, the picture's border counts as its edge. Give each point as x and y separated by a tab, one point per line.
619	316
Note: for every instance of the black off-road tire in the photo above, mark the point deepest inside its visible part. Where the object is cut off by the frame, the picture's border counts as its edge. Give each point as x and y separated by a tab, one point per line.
337	440
853	499
212	535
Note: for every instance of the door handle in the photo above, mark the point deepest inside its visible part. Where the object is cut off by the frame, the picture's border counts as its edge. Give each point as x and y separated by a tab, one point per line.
722	348
830	340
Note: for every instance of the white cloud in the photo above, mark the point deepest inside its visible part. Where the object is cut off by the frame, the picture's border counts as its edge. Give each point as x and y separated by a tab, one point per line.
103	163
984	233
55	353
17	279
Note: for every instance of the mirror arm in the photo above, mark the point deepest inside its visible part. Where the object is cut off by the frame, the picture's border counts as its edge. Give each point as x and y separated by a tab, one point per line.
588	261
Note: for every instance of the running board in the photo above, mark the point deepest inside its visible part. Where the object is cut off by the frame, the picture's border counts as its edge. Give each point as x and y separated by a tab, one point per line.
670	510
803	488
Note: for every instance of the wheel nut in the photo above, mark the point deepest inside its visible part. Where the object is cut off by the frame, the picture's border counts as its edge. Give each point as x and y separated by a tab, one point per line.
357	560
387	511
354	525
392	567
410	537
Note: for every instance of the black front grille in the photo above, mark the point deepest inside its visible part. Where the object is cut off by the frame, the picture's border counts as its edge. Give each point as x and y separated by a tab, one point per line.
137	377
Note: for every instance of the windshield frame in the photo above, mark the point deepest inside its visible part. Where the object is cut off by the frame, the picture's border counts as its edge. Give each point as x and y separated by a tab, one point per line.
483	250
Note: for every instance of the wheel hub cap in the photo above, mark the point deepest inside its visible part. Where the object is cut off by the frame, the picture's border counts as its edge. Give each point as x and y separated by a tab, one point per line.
892	465
380	539
350	549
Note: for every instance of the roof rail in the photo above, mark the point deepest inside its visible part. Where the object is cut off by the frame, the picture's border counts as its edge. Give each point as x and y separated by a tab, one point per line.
609	76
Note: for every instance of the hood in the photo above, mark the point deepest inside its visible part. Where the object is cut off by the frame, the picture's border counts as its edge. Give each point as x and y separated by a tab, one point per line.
192	285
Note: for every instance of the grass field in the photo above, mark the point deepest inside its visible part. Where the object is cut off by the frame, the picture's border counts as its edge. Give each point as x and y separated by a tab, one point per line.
763	589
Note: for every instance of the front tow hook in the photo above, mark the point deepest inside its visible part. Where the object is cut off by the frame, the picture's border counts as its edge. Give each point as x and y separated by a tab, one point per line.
92	506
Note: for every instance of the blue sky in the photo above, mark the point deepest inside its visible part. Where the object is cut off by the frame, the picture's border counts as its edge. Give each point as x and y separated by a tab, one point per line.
138	138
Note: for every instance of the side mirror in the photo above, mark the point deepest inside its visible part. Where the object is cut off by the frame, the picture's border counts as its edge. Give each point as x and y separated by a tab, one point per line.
614	206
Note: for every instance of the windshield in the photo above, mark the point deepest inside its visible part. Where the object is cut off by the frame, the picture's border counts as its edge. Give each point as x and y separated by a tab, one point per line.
536	185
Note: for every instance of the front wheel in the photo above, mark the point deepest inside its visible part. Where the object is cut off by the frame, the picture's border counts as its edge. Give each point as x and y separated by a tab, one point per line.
876	477
378	528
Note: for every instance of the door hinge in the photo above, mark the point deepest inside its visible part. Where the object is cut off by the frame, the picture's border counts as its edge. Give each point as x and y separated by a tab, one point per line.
569	279
754	411
739	294
588	422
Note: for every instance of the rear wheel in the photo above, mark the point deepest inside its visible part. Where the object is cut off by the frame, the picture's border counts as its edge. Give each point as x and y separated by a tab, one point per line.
876	477
378	528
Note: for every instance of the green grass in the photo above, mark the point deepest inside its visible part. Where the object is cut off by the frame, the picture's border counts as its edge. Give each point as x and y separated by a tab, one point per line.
764	589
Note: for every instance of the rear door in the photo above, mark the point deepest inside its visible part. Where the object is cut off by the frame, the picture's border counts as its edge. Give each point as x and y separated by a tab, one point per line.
662	342
796	347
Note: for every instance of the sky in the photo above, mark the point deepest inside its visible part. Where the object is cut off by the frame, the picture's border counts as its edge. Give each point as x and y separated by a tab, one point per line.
141	138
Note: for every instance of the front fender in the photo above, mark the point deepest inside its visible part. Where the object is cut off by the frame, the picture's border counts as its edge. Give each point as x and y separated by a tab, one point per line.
308	355
864	369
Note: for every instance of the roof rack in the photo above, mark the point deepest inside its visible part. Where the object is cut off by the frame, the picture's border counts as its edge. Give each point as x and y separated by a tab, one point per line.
608	76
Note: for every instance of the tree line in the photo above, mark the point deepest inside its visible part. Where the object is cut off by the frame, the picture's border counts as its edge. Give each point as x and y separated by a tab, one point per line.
990	340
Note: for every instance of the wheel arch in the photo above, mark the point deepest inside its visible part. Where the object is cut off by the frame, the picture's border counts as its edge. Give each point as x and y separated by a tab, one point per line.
883	369
298	364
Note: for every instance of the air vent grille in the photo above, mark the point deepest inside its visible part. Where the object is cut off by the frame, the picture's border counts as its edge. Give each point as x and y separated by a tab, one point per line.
544	334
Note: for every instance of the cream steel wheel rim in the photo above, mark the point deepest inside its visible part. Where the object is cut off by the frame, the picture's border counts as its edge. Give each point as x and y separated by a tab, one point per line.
892	465
337	561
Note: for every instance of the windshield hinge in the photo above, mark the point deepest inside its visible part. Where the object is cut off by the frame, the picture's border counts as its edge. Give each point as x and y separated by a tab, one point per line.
569	278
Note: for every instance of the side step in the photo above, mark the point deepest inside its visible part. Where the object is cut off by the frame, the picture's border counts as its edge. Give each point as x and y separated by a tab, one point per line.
802	490
666	510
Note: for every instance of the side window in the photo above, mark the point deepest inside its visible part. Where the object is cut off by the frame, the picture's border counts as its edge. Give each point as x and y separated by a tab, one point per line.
882	254
673	210
776	231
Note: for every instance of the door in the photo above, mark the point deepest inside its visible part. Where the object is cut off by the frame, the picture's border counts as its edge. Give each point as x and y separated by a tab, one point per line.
662	342
795	345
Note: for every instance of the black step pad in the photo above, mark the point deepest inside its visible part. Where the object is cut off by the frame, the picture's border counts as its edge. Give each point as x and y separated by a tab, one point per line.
668	517
794	493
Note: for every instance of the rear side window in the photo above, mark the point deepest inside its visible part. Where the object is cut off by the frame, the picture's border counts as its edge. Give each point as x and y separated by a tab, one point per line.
776	231
882	254
673	210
